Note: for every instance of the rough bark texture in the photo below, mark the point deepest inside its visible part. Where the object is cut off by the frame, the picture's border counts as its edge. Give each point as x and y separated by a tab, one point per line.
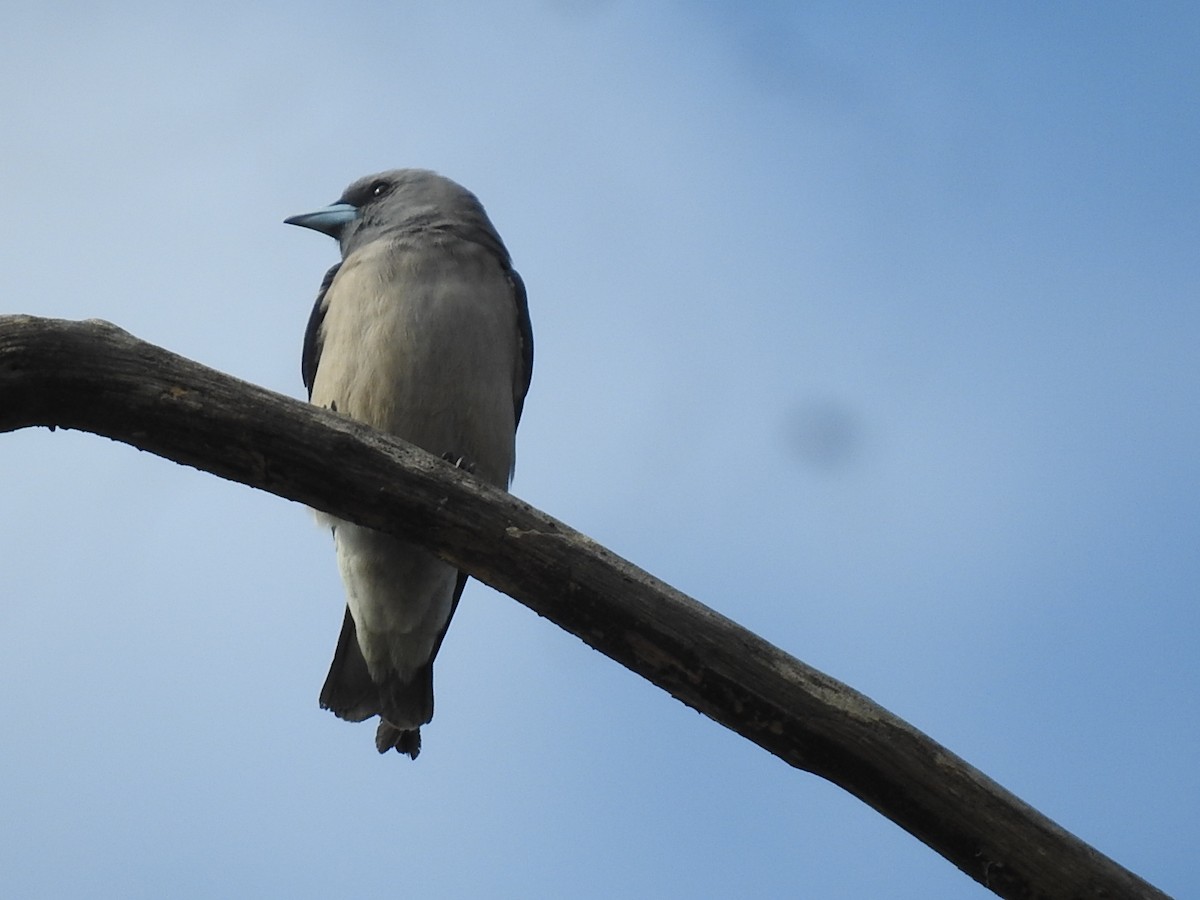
95	377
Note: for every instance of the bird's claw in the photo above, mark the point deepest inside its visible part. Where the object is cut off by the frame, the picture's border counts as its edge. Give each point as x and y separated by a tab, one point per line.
459	462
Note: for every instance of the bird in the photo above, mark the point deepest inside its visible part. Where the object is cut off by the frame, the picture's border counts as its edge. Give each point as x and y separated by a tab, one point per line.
422	331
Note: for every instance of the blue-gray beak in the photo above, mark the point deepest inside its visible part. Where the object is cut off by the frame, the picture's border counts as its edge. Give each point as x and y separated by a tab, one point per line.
330	220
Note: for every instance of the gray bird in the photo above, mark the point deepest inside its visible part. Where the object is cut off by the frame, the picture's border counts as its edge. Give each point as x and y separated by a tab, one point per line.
422	330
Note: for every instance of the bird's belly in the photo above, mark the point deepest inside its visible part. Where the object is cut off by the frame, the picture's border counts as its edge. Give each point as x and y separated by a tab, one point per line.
400	596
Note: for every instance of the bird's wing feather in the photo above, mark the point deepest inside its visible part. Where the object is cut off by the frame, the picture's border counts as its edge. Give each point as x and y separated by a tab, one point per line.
525	330
313	338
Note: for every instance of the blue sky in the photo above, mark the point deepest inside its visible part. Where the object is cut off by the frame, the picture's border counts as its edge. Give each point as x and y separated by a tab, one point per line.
872	326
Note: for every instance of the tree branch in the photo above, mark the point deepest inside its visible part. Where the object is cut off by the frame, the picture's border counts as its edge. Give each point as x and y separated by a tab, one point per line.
95	377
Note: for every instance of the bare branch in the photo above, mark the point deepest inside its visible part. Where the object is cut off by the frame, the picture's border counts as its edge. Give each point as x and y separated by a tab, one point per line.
95	377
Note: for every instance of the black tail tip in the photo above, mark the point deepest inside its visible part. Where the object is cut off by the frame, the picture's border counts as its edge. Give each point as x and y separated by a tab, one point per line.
388	737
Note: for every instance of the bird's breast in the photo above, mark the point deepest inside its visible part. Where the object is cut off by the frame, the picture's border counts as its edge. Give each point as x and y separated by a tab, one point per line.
422	342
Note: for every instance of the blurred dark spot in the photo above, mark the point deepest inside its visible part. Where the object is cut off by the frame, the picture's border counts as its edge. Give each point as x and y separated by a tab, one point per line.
825	434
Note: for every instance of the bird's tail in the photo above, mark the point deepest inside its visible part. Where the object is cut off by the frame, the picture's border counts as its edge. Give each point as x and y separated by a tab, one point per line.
406	706
351	694
389	737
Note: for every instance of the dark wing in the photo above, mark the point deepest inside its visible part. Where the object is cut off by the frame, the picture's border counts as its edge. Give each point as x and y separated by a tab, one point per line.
521	386
458	589
311	355
348	692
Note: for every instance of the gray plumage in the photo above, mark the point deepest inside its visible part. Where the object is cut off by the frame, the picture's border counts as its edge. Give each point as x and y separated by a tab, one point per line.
422	330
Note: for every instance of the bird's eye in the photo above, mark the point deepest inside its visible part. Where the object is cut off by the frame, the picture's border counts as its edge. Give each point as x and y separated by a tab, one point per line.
379	188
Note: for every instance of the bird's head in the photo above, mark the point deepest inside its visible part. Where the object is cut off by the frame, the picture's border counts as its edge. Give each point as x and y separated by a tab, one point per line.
400	200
